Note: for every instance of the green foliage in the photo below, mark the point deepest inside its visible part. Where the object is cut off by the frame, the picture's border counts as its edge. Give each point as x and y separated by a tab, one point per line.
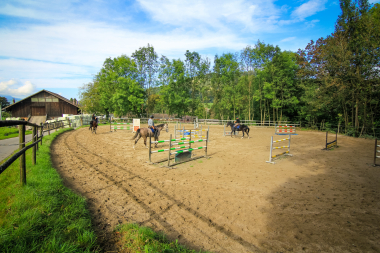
43	216
4	102
118	87
10	132
144	239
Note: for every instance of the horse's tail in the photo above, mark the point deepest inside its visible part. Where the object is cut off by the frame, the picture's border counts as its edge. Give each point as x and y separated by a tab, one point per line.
137	133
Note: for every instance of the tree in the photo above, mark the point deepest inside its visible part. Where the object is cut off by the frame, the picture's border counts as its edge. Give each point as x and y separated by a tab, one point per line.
119	89
4	102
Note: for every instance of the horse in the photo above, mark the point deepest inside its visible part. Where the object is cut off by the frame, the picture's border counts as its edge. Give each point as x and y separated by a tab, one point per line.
93	126
243	128
146	132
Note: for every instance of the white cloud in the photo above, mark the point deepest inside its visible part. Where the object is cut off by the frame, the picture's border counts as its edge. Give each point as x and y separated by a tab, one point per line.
288	39
255	15
308	9
312	23
7	88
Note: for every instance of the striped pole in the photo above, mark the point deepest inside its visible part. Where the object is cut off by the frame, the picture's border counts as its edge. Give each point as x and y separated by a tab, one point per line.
289	143
190	140
175	132
271	148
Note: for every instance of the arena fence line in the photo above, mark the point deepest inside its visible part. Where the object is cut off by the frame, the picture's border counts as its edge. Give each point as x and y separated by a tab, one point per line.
271	156
185	145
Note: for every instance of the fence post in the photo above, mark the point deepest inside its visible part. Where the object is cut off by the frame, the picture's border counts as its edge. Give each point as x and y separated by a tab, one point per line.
111	125
81	120
21	134
175	132
41	132
68	121
34	139
206	145
150	146
170	147
327	132
336	139
49	126
374	159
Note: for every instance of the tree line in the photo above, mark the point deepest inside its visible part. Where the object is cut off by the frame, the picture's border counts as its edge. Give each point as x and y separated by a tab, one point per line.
333	80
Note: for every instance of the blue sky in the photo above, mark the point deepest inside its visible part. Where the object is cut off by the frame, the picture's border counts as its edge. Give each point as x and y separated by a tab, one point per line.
60	45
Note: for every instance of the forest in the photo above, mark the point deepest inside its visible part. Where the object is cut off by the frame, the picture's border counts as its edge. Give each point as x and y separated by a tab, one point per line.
333	81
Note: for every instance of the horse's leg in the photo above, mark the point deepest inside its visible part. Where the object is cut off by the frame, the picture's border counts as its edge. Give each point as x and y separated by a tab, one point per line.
243	134
145	141
138	138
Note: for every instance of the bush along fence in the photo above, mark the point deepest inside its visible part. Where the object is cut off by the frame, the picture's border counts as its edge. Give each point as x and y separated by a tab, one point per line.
377	150
333	143
181	149
22	148
271	156
285	129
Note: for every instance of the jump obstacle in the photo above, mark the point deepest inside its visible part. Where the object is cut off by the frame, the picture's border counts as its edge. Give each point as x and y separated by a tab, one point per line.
333	143
271	156
228	133
376	151
183	149
121	126
185	133
286	129
125	125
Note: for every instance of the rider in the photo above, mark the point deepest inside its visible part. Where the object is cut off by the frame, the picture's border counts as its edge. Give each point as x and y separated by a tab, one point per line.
151	125
237	122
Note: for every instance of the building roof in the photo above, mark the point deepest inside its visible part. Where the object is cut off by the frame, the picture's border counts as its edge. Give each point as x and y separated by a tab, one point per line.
51	93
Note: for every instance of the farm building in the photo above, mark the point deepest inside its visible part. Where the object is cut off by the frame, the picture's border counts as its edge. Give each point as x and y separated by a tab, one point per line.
43	104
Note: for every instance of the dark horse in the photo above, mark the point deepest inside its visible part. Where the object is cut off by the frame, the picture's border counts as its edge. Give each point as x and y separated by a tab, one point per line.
146	132
93	126
242	128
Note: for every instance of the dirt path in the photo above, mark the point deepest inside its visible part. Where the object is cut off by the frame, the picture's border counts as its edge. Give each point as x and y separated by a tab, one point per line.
235	201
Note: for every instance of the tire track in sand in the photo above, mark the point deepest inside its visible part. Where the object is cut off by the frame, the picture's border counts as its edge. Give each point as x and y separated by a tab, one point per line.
174	210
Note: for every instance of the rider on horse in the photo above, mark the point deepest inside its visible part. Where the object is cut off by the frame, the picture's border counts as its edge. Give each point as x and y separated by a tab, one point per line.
151	125
237	122
93	119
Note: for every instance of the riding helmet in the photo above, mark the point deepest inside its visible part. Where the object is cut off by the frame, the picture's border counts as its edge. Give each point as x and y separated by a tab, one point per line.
151	116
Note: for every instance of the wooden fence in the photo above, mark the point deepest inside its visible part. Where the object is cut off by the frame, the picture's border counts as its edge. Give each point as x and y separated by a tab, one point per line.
36	138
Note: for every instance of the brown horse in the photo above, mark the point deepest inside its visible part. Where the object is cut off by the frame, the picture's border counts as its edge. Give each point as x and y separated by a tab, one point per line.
93	126
146	132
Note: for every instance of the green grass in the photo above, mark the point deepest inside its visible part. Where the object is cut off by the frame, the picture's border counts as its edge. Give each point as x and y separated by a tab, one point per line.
43	216
10	132
143	239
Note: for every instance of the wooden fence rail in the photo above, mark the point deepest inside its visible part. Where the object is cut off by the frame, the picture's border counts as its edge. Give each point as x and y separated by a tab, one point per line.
22	148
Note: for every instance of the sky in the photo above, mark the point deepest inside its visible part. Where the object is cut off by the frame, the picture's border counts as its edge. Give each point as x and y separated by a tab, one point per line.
60	45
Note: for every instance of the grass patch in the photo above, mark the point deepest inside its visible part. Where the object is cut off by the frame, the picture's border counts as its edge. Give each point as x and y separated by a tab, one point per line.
143	239
43	216
10	132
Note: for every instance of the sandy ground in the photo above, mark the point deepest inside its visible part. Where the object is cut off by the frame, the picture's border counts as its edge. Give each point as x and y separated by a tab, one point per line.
314	201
